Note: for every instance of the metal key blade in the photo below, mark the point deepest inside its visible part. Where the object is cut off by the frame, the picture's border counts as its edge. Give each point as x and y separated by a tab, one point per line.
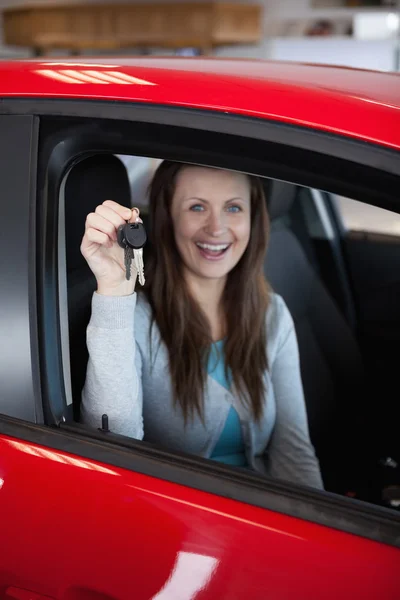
128	255
138	257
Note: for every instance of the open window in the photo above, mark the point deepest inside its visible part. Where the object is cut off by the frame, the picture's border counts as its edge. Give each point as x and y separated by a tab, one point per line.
82	160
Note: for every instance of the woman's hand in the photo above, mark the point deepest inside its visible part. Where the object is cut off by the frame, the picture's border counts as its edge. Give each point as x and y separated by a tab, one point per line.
102	252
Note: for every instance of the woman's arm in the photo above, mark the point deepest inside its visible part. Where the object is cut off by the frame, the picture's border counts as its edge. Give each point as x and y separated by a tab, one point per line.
114	372
291	454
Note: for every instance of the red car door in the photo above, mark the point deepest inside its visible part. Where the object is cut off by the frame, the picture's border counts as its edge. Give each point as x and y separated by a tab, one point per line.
77	529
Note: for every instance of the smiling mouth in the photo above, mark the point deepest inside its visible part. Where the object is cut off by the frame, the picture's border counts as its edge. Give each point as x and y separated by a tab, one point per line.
212	251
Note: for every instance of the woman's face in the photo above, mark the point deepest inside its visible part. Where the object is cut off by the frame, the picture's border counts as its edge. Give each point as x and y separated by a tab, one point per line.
211	218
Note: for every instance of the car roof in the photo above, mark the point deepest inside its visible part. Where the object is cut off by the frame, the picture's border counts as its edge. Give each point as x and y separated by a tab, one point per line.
358	103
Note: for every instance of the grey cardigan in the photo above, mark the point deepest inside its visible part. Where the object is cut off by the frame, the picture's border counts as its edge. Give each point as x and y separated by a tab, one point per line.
134	390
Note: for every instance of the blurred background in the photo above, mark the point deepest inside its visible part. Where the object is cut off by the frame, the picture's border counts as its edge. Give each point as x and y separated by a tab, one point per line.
358	33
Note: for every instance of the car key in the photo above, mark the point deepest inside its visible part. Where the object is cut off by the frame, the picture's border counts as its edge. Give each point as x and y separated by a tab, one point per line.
128	257
136	237
132	237
138	258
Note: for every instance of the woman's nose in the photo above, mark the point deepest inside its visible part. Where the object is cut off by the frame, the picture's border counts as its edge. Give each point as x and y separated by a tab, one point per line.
216	223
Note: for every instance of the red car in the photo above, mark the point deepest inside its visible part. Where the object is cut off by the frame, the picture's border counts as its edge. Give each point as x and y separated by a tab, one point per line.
87	514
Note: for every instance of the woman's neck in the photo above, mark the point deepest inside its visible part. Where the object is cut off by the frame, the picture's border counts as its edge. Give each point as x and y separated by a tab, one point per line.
208	294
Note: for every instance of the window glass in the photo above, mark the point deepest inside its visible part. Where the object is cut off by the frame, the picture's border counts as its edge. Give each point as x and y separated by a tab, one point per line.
357	216
140	171
303	265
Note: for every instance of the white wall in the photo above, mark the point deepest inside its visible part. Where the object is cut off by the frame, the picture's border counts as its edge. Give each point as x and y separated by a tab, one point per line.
344	51
375	54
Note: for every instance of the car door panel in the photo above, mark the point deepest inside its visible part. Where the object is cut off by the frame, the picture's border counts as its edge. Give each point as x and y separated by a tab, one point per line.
18	142
374	265
374	262
84	530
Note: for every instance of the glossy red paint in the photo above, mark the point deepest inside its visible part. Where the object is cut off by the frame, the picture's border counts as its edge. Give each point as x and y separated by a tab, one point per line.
144	538
357	103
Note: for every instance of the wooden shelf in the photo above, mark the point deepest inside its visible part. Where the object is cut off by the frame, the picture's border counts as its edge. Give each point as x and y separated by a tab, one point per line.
118	26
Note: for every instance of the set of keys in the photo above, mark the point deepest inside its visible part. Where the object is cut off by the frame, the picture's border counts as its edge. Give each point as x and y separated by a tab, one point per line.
132	237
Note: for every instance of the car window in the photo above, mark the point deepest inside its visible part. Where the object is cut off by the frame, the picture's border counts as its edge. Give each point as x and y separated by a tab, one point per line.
140	171
299	223
304	266
357	216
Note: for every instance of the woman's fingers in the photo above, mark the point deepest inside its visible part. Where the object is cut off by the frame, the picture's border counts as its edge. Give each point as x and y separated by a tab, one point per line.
118	214
110	215
135	215
97	237
124	212
102	225
97	221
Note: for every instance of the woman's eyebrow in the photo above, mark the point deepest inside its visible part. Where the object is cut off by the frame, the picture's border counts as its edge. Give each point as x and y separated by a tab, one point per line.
207	201
191	198
246	200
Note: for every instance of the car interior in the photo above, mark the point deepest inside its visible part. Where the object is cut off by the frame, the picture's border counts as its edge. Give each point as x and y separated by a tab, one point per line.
308	264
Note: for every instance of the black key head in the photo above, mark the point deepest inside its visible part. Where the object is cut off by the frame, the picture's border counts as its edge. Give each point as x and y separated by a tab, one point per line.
132	235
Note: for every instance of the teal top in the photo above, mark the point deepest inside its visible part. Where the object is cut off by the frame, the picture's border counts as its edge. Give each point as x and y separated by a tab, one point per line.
229	448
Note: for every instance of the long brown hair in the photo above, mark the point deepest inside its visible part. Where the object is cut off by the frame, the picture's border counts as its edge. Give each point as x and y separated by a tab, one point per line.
183	326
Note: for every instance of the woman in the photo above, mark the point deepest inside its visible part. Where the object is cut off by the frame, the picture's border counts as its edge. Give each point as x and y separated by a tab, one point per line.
204	359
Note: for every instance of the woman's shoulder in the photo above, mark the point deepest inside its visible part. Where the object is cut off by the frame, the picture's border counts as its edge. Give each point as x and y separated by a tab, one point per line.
278	311
144	327
143	309
279	321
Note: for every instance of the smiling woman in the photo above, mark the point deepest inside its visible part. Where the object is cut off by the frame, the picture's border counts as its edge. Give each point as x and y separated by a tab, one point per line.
207	318
217	295
211	220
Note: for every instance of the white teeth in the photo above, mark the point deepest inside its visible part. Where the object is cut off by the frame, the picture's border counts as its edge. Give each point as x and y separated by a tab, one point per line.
213	247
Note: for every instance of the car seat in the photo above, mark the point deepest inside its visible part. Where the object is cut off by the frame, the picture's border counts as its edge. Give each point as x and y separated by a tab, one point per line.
332	369
91	182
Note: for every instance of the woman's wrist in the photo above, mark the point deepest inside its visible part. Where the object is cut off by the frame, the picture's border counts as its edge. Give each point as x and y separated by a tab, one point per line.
126	288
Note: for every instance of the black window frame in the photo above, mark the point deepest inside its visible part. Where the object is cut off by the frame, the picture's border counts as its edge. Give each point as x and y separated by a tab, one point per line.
310	149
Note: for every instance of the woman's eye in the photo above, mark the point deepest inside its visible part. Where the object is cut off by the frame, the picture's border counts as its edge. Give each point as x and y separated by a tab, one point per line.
234	208
197	207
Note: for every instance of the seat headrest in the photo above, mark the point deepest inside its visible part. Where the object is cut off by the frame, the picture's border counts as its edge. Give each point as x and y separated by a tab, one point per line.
91	182
280	198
